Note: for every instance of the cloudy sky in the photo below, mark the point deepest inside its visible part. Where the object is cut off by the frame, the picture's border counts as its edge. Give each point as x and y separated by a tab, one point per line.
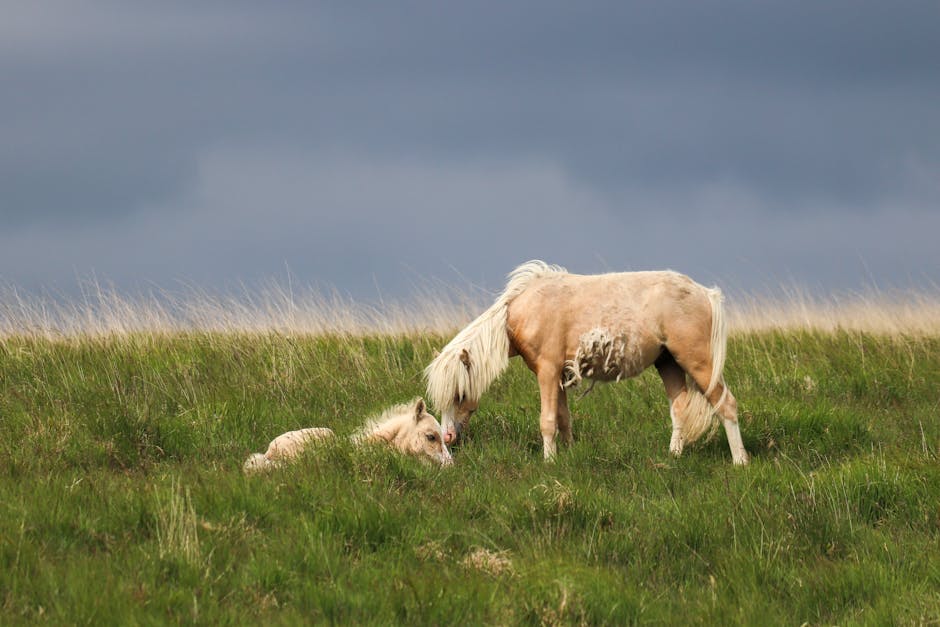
376	146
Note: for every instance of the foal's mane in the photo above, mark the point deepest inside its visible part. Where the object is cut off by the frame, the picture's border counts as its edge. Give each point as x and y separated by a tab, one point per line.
393	418
485	341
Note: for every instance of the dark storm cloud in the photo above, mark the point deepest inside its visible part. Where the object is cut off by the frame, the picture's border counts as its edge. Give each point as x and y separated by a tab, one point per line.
220	140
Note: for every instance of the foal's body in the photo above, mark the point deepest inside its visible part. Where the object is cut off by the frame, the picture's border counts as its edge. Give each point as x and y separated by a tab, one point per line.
569	327
407	427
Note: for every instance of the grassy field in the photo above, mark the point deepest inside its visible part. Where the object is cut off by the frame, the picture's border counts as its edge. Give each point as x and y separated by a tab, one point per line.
122	499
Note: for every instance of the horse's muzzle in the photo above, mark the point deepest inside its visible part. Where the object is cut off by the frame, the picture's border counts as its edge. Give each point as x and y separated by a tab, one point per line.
451	436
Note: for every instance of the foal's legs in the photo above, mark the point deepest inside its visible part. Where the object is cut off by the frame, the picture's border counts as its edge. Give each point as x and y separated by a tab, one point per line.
549	376
674	379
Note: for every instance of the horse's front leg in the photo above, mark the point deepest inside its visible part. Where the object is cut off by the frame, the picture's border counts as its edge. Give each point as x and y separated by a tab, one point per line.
564	417
549	388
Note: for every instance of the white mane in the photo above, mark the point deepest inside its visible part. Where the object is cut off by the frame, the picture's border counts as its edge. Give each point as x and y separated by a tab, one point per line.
486	342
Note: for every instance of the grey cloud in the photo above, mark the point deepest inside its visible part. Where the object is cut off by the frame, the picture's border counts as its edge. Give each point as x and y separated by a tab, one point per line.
358	223
135	137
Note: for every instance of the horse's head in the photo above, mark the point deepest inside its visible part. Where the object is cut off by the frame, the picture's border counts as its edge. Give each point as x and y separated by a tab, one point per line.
457	411
426	437
455	417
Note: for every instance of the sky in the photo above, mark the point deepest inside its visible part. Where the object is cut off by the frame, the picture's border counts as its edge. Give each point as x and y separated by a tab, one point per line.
374	147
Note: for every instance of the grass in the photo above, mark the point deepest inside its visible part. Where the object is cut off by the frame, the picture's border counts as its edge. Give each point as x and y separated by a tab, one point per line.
122	498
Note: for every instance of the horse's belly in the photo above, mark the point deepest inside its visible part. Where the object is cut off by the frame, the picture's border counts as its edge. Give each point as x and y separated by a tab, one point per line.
605	356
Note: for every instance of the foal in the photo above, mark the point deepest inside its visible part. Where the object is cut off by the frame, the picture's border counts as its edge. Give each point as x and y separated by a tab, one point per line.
407	427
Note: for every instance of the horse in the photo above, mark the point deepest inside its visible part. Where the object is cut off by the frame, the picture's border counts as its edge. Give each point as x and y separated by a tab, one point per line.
606	327
407	427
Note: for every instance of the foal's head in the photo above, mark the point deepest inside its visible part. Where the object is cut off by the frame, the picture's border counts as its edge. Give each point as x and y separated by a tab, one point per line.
417	432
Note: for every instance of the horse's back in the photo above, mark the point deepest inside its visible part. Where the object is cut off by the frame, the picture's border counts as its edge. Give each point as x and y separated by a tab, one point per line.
555	312
598	297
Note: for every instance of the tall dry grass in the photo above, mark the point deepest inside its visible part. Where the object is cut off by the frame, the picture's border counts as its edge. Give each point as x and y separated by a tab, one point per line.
882	312
102	310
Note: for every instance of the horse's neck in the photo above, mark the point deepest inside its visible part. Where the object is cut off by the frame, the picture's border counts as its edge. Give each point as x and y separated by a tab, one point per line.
472	360
388	430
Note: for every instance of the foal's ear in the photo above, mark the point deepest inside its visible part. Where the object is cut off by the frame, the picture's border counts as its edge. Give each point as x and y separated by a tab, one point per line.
465	358
420	408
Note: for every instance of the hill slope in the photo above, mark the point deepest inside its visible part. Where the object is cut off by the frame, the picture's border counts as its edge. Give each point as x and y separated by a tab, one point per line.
122	496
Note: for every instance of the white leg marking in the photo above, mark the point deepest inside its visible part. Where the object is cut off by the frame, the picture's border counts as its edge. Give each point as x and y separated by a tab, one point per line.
733	431
548	447
675	444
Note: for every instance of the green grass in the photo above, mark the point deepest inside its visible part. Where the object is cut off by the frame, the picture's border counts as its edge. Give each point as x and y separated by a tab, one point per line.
122	499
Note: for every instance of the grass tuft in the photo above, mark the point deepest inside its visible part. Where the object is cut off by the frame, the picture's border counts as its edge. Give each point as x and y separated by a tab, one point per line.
177	526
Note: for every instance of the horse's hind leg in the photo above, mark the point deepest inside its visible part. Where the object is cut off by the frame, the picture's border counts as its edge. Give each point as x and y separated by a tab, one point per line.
726	405
699	366
674	379
729	418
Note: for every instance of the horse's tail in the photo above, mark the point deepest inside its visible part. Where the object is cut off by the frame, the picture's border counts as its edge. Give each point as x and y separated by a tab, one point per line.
699	416
719	339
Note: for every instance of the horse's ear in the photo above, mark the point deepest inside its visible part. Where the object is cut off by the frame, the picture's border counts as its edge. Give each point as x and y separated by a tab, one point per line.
465	358
420	408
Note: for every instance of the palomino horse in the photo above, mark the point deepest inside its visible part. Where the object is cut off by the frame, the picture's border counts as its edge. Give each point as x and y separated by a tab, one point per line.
606	327
408	427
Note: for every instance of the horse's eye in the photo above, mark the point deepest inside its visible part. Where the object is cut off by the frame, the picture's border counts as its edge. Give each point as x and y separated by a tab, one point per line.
431	437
